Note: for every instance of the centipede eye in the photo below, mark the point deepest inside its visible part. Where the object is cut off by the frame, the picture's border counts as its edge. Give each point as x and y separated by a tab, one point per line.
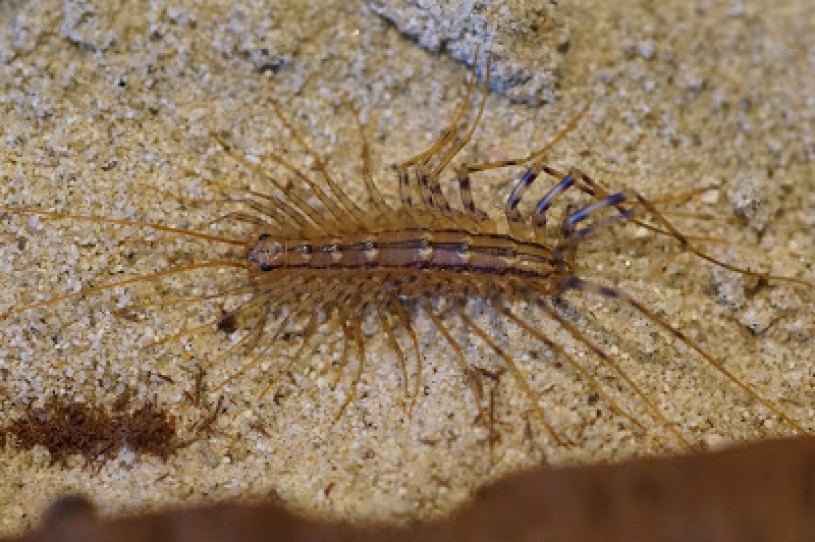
265	267
263	236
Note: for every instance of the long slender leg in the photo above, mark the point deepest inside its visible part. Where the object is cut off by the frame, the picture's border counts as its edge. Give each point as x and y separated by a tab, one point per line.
449	133
570	238
560	351
690	247
513	215
338	214
277	227
405	321
360	343
575	283
439	199
568	227
385	212
425	195
346	333
460	358
264	219
387	326
593	188
311	327
359	216
609	361
461	143
298	225
479	217
519	376
302	303
539	216
571	125
466	169
244	288
250	338
406	189
283	324
428	179
193	330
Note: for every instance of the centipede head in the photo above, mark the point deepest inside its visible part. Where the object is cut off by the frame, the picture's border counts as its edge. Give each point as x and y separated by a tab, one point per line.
266	254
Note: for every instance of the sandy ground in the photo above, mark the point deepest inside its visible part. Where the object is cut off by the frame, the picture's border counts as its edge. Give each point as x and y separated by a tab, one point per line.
100	104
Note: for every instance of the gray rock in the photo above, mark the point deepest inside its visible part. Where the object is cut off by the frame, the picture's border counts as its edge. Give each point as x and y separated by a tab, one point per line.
527	39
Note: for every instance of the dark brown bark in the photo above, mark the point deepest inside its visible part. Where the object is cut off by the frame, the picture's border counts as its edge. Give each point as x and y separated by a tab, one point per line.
764	491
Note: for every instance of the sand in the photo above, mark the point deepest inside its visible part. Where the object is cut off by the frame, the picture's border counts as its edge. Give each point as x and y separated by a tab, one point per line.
99	104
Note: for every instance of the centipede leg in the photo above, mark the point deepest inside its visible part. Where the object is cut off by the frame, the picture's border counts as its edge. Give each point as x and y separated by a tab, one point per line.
396	305
480	220
460	358
519	376
387	326
575	283
308	333
560	351
351	209
378	200
424	177
356	333
514	218
609	361
302	205
594	189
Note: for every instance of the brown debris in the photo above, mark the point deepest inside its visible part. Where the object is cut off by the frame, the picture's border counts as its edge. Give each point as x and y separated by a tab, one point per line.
66	428
762	491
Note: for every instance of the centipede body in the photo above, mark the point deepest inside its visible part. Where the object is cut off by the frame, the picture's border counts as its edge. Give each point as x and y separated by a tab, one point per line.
301	381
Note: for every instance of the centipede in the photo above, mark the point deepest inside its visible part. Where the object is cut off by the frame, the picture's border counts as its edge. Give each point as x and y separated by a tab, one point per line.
310	258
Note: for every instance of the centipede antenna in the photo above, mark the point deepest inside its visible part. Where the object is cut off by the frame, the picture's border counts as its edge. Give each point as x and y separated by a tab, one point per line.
126	282
121	222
